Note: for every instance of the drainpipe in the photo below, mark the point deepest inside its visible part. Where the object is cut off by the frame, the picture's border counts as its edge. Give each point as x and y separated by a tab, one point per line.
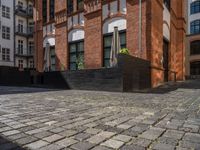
140	29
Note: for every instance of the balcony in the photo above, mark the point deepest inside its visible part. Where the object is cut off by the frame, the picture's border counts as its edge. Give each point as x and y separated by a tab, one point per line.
26	32
24	52
24	11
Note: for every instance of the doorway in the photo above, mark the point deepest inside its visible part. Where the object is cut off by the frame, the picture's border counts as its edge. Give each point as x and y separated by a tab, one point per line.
166	60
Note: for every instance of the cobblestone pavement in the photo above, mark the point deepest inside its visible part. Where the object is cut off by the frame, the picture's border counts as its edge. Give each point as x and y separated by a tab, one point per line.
80	120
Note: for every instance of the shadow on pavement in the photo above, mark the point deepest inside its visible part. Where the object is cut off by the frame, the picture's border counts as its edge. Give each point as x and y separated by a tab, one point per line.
169	87
8	145
4	90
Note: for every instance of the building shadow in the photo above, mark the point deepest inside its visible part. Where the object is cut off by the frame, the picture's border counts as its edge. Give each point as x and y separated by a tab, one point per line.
172	86
6	144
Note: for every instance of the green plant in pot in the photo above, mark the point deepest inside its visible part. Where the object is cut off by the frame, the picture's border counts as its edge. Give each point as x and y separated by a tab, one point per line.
80	63
124	51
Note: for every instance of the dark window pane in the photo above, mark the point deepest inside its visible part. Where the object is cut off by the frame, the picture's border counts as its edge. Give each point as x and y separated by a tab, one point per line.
76	53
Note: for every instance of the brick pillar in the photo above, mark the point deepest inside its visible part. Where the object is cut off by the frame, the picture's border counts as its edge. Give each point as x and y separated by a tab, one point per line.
61	46
180	24
93	40
156	23
38	36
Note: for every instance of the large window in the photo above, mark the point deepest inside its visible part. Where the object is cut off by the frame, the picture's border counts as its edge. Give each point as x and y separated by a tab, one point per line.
6	32
195	47
52	7
76	54
5	11
44	10
70	6
195	68
80	4
5	54
195	7
195	27
107	45
20	46
53	58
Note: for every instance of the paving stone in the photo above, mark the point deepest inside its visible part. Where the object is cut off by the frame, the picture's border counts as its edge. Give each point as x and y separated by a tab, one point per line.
34	131
53	138
101	148
82	146
132	147
152	133
26	140
162	146
53	147
11	132
193	137
124	126
189	145
66	142
82	136
43	134
173	134
123	138
68	133
17	136
142	142
168	140
106	134
5	129
96	139
93	131
36	145
57	130
113	144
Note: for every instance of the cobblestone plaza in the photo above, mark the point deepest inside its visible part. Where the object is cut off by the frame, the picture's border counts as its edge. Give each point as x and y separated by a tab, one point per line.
41	119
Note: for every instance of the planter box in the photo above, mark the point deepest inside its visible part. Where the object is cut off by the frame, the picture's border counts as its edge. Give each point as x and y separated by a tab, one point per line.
131	74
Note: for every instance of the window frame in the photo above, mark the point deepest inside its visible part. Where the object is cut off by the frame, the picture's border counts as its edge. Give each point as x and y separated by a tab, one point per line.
195	7
193	25
6	32
5	11
195	47
195	68
5	54
70	6
77	53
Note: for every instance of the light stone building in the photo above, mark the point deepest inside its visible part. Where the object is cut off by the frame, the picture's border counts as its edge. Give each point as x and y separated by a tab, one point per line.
16	33
193	39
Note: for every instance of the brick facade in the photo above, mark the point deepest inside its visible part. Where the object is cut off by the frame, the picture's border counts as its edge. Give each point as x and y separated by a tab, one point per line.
151	33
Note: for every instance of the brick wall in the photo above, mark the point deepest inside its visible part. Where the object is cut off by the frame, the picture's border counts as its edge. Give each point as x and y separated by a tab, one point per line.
152	37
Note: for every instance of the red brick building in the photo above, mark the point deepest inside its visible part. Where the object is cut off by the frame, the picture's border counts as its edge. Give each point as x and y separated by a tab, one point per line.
151	29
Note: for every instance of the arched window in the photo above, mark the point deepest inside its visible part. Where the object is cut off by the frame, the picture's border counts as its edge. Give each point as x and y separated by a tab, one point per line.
195	47
195	68
195	7
108	29
195	27
76	49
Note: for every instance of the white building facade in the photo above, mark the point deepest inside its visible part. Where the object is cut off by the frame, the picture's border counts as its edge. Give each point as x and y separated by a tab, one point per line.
193	39
16	33
6	33
24	27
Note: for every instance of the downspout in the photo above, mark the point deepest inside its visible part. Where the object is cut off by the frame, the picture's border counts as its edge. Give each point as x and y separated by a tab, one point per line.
140	29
